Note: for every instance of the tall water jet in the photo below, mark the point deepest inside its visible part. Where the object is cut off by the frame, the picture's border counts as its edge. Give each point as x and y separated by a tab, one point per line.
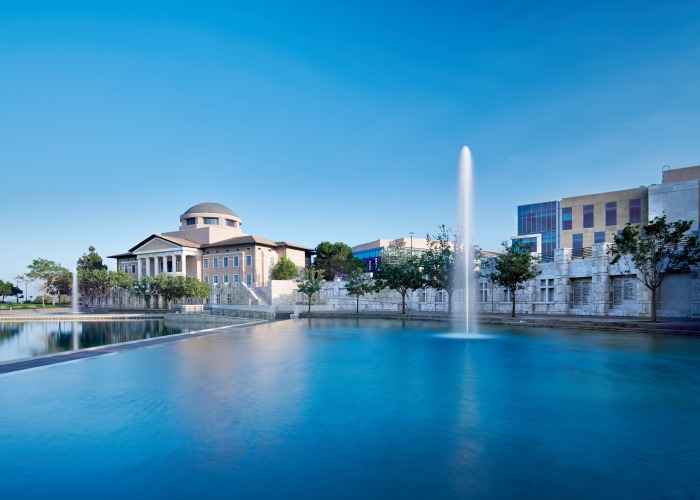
75	307
465	224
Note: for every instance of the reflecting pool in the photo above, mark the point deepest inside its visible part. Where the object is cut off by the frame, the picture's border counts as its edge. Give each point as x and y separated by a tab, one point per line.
326	409
24	340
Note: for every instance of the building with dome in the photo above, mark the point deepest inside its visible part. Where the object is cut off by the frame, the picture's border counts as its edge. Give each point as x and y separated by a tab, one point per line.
211	246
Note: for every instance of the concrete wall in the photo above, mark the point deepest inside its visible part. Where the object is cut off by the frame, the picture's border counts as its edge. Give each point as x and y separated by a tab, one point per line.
594	287
679	201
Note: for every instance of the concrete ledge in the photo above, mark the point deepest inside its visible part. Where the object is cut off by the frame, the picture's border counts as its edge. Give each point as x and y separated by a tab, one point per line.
605	323
12	318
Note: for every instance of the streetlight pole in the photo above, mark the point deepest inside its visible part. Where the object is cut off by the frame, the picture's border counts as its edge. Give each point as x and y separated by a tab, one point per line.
411	233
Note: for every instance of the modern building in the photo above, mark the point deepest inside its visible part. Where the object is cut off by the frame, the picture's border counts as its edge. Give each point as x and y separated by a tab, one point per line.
371	253
597	218
581	278
539	226
211	246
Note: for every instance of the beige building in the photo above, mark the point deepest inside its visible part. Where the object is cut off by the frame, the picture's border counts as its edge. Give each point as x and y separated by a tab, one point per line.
211	246
596	218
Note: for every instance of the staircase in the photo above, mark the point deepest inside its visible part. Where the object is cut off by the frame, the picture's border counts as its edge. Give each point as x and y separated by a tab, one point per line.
263	295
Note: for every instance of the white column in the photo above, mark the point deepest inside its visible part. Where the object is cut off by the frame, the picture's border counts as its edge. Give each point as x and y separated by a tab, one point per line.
184	262
138	268
174	258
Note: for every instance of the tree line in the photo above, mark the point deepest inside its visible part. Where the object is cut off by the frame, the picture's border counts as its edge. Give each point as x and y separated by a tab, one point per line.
96	283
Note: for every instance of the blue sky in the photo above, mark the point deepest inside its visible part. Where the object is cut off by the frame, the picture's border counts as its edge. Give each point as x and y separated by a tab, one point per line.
326	121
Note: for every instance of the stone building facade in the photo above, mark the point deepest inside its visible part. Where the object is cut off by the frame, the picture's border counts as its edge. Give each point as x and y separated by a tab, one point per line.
592	286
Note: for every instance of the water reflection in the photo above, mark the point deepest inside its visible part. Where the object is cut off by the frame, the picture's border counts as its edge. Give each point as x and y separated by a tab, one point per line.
23	340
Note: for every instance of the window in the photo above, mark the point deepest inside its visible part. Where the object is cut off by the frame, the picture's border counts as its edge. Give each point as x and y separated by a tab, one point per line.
217	299
235	278
483	295
216	280
206	279
441	296
547	290
249	279
214	221
577	240
588	216
191	221
216	262
143	268
248	260
235	261
225	261
133	268
206	263
611	213
566	218
581	289
226	278
599	237
506	296
624	291
636	211
422	296
228	299
230	223
272	261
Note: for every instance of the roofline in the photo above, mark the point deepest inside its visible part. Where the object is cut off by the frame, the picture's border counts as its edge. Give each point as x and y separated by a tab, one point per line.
166	238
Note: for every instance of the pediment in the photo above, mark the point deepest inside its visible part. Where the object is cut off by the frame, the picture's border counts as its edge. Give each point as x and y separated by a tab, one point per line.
156	245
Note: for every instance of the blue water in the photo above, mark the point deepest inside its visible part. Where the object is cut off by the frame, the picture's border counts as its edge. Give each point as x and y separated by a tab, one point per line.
36	338
333	409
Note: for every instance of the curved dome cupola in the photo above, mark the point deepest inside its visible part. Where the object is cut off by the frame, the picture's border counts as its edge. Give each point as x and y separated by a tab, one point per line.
209	214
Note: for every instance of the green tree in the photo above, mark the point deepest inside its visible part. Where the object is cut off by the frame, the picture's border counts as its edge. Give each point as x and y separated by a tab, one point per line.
285	269
94	284
91	260
42	275
654	249
93	277
309	282
335	258
169	287
400	270
5	290
143	288
196	289
514	268
443	263
120	280
63	284
359	284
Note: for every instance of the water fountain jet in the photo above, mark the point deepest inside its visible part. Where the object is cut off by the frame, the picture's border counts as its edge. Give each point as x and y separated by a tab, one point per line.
465	225
75	307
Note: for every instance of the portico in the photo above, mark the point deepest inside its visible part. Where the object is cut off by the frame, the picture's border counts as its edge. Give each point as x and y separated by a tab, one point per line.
160	254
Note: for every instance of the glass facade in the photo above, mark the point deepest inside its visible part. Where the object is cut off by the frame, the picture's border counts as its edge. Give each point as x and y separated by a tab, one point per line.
599	237
372	258
542	219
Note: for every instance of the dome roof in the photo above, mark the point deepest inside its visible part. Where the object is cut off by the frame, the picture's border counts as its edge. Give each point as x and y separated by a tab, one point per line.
209	208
